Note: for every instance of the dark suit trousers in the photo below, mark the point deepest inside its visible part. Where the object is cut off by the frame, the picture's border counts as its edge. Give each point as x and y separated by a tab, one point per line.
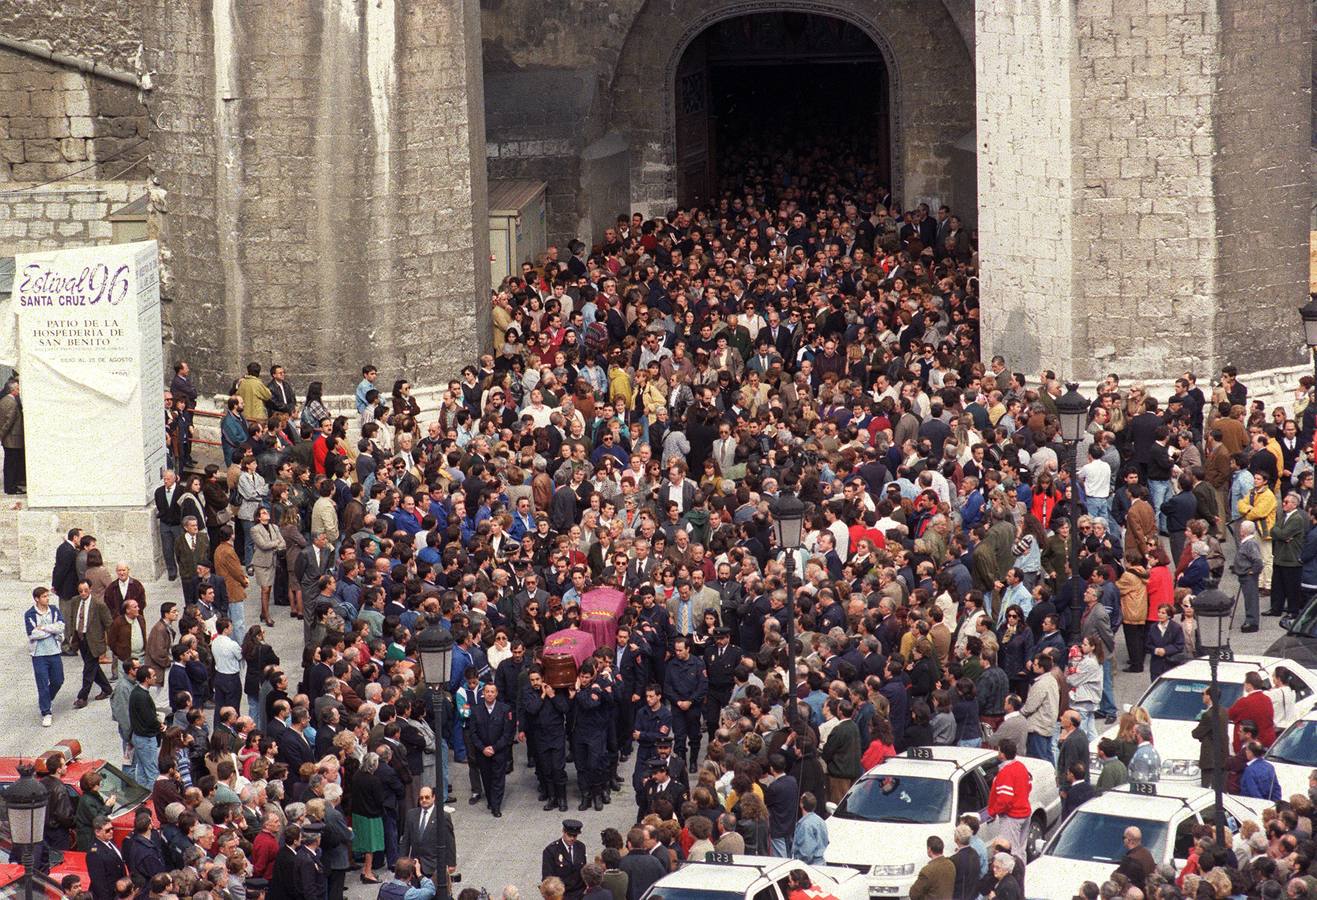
686	730
15	469
494	776
91	671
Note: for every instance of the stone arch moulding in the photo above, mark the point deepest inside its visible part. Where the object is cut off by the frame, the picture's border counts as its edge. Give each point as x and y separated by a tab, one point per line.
718	12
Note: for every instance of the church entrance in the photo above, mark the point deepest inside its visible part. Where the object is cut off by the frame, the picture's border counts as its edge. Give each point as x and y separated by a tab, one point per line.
773	90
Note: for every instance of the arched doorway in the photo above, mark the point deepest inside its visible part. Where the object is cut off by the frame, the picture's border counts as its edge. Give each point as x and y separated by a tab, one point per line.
766	80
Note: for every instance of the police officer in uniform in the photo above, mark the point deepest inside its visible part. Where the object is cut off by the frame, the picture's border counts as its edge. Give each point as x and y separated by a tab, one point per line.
660	785
590	737
686	687
653	722
544	714
312	879
720	661
565	858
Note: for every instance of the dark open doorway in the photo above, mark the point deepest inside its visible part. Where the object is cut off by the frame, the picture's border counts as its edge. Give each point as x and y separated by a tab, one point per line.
773	83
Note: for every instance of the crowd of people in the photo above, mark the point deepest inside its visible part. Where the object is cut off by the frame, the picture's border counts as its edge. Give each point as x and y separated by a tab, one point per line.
650	407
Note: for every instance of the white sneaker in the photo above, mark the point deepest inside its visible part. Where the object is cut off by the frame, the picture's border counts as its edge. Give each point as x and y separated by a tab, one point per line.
46	721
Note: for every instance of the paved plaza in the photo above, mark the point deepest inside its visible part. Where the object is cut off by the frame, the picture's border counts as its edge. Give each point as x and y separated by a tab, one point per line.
492	852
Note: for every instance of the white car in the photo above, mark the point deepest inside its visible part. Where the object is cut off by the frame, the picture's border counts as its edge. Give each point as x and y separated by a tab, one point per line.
728	877
1294	754
1175	701
1090	842
881	826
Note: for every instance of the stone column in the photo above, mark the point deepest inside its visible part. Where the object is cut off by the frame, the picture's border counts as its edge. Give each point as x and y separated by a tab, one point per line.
1143	183
322	197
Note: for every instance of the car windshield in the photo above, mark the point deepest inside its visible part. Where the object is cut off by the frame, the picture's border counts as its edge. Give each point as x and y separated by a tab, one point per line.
42	889
1297	746
671	893
1182	698
898	799
128	794
1096	837
1306	623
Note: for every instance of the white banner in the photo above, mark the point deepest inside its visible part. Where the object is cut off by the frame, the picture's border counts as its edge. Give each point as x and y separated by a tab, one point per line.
92	374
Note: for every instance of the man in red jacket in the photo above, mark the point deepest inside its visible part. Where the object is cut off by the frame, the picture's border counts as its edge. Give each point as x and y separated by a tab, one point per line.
1008	801
1255	706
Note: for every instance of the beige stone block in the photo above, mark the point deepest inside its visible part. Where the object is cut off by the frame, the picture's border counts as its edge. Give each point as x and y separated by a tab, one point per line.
77	103
57	211
42	151
40	228
46	103
81	127
13	228
69	229
86	211
73	149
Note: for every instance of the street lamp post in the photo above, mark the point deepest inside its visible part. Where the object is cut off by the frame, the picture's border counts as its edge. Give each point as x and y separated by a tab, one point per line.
1072	410
25	806
1308	312
788	519
436	660
1212	609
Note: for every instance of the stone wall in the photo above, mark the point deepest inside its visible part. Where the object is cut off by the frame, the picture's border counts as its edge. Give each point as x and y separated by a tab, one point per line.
56	121
1150	170
323	184
67	214
105	31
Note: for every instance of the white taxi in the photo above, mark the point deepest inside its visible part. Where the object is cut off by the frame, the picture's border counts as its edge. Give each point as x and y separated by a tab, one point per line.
726	877
1089	845
1175	701
882	824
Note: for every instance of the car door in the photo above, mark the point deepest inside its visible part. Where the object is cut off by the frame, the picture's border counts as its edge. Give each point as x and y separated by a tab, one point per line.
1183	839
972	792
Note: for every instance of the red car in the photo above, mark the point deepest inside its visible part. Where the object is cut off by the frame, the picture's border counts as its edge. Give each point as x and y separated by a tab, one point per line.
69	862
128	794
13	884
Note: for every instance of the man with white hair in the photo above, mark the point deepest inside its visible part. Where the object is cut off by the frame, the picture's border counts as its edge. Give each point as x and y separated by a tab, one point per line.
1247	566
1287	538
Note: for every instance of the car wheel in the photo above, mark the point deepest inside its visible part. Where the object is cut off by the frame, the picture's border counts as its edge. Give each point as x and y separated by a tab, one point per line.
1034	847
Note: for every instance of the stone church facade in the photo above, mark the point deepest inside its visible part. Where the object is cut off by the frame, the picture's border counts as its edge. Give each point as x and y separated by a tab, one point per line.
1138	170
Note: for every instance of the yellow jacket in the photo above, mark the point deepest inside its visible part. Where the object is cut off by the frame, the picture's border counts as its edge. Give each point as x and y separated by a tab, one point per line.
619	385
1260	506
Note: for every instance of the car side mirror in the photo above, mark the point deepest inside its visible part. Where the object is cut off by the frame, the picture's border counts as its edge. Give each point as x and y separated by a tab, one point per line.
1126	707
830	807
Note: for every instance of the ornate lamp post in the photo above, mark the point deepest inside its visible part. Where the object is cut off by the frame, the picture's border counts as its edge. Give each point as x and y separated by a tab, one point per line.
437	660
1072	410
1213	609
25	805
788	520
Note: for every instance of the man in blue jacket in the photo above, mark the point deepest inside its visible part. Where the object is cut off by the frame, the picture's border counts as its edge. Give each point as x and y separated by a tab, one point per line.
1259	777
45	631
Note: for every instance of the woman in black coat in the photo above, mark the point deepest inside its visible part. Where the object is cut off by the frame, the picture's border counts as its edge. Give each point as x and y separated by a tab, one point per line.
1016	649
1164	643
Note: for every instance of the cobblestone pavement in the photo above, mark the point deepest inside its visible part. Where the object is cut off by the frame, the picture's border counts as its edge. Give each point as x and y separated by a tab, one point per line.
492	852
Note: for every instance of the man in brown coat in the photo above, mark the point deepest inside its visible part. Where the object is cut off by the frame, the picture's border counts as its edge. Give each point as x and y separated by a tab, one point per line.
937	879
121	633
1140	525
229	567
91	621
163	634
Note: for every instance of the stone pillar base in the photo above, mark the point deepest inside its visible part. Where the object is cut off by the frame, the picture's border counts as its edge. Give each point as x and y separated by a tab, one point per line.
129	534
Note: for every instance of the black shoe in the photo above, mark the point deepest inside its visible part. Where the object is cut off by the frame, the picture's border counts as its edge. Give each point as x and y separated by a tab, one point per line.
562	803
617	784
173	578
475	798
1274	613
498	813
608	797
1249	629
553	803
1110	720
450	799
624	757
598	804
694	765
584	804
544	794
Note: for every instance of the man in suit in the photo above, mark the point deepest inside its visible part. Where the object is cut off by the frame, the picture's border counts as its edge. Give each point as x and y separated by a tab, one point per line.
493	734
294	748
166	511
283	879
124	587
64	582
312	879
937	879
419	838
105	864
91	621
191	548
317	560
642	870
282	397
